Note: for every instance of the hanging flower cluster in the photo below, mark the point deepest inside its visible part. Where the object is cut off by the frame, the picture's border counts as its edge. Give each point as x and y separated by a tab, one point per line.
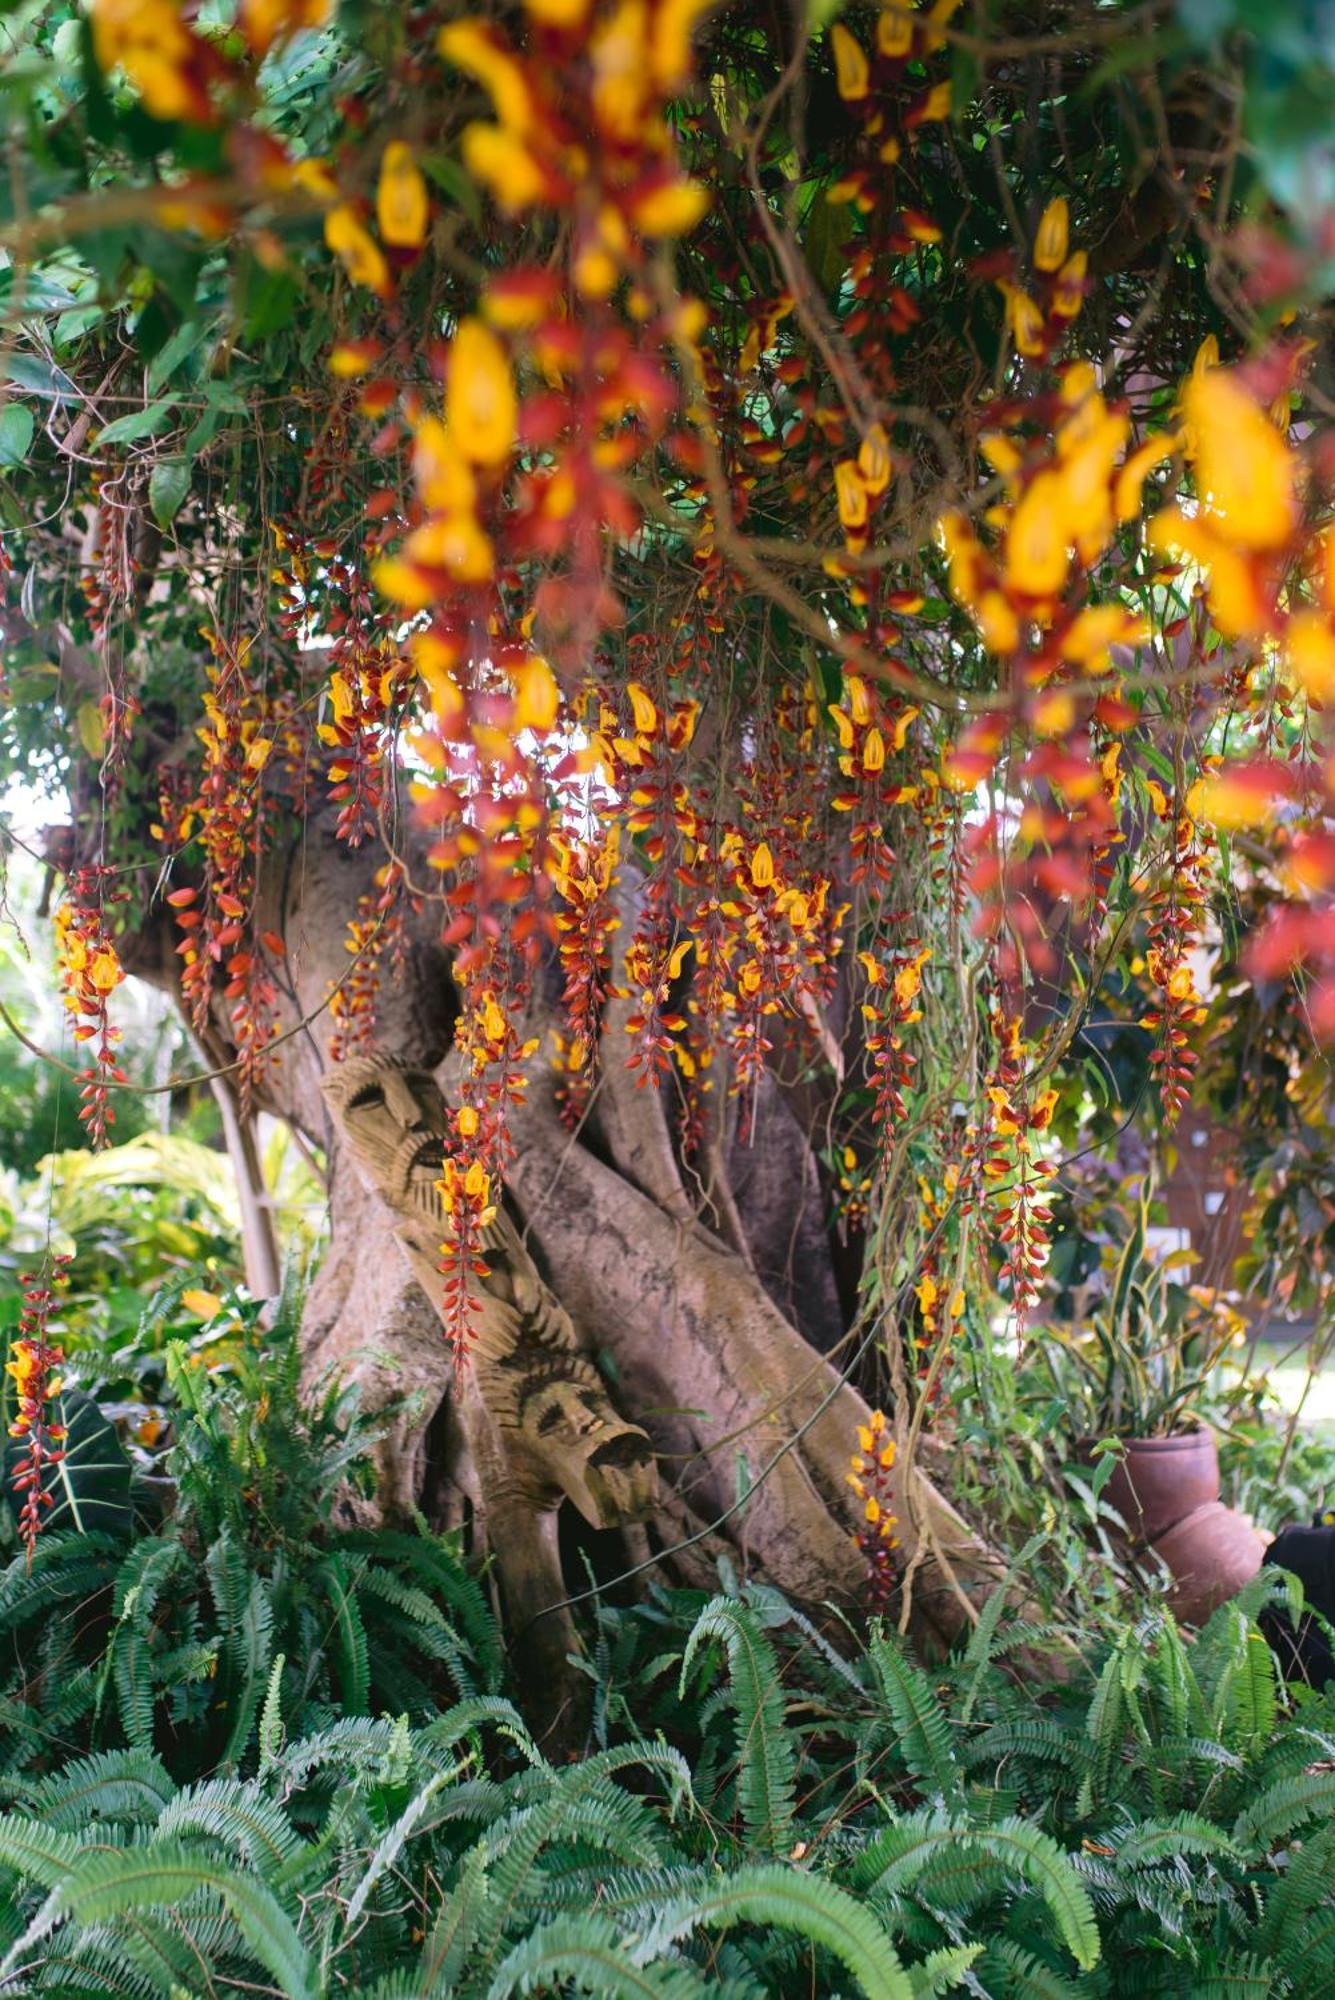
376	939
1039	312
1268	580
893	989
870	1478
1017	1169
870	733
34	1360
586	921
90	971
226	818
366	693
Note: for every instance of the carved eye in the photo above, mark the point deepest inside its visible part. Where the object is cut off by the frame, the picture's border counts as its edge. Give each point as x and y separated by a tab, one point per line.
370	1093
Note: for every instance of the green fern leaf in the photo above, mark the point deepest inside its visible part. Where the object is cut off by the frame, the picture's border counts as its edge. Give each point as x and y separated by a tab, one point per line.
1270	1819
35	1851
1026	1977
924	1733
766	1759
587	1951
391	1846
791	1900
349	1636
943	1970
126	1785
1157	1841
103	1887
235	1815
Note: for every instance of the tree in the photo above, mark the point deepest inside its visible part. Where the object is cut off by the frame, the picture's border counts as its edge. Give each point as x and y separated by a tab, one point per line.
726	581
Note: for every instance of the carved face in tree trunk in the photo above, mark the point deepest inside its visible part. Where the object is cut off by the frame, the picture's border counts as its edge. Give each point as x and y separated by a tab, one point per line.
393	1118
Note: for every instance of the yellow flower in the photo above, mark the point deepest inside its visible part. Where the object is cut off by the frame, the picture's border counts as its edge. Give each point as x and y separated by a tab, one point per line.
356	249
471	46
537	697
762	867
502	162
642	708
1309	654
481	407
674	23
851	492
874	463
1051	242
151	42
1037	548
850	64
402	205
444	477
1244	469
672	209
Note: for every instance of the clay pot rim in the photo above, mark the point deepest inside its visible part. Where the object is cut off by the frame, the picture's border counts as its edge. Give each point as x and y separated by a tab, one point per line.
1174	1441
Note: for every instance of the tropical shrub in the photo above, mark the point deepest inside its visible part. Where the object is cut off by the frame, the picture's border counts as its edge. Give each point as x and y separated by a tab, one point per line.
783	1816
257	1578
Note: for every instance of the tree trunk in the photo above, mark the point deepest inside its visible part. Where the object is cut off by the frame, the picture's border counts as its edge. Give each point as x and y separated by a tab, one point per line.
699	1294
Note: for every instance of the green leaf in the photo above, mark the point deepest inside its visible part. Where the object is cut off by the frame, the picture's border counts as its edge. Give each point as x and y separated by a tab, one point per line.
37	377
586	1950
177	347
90	1486
790	1900
103	1887
168	484
16	429
765	1755
148	422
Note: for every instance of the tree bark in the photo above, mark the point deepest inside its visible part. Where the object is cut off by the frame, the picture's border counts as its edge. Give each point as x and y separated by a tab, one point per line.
700	1294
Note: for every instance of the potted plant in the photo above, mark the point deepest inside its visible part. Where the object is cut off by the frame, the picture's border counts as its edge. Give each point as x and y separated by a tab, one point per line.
1131	1379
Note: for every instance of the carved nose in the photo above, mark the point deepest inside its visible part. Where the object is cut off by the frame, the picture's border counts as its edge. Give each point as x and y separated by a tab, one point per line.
404	1103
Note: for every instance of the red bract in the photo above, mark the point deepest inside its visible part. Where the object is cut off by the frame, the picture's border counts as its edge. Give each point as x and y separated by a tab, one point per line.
34	1358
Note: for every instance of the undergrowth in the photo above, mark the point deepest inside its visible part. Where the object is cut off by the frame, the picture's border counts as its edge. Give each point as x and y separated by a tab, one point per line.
257	1749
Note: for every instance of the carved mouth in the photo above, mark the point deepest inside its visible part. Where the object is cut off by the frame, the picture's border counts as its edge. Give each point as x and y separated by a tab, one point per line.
429	1153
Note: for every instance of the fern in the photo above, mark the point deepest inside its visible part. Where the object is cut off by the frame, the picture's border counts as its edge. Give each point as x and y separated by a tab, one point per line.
233	1815
131	1786
924	1740
1281	1808
786	1897
766	1761
587	1952
106	1887
913	1850
1026	1977
349	1633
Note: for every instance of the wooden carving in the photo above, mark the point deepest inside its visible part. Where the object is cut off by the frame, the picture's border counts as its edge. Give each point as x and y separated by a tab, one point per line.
535	1414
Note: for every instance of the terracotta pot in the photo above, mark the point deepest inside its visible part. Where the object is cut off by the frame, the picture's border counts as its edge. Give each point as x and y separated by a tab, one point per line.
1159	1481
1210	1555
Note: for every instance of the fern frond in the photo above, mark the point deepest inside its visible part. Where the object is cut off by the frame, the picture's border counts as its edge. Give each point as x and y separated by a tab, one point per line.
1282	1807
766	1759
903	1854
1154	1842
127	1785
924	1738
1027	1977
789	1899
237	1816
941	1971
587	1952
104	1887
